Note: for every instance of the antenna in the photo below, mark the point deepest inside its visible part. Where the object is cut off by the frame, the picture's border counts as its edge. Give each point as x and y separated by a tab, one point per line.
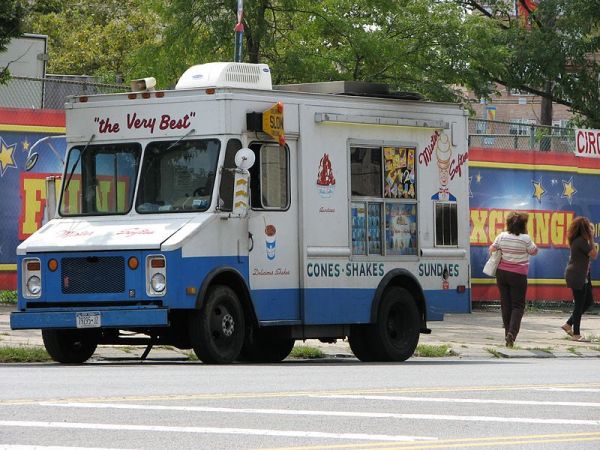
239	32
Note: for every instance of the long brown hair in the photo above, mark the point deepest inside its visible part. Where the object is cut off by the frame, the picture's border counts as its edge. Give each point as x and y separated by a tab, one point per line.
580	226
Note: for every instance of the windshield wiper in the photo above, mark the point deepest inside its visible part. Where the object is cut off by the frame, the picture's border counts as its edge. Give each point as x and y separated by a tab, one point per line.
77	162
179	140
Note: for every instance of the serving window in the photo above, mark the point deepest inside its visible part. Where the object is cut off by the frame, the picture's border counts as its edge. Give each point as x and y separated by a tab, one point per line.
384	200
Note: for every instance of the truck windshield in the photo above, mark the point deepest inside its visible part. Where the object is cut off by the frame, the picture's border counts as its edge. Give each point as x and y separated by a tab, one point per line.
103	179
178	176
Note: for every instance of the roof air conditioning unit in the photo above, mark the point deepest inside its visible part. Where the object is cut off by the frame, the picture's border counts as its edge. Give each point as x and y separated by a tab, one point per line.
226	74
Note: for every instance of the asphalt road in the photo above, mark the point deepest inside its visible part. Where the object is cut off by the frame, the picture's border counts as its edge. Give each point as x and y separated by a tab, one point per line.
422	403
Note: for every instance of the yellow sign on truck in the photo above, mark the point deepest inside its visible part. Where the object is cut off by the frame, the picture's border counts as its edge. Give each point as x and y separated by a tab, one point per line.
272	121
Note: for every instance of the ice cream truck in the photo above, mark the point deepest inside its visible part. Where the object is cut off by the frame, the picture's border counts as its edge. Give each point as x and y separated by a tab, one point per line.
234	218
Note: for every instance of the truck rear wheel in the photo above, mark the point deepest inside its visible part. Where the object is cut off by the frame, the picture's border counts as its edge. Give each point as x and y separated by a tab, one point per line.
70	346
398	325
217	329
264	347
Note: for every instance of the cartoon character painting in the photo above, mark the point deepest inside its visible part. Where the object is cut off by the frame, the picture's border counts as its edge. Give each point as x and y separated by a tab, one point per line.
443	153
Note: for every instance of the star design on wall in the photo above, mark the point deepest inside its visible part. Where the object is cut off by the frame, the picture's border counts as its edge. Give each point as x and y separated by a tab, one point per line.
538	190
25	145
6	156
568	190
478	177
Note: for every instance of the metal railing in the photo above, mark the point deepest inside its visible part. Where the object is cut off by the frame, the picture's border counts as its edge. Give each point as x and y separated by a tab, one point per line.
50	92
520	136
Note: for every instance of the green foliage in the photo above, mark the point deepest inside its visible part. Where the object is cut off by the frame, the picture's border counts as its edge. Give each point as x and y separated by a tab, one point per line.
306	352
434	351
23	354
553	54
9	297
425	46
11	15
95	37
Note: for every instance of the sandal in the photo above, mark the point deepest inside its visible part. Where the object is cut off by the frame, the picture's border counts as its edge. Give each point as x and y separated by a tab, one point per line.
510	340
568	329
579	338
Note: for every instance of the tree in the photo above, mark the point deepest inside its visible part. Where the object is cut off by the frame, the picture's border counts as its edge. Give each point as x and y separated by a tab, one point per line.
419	45
94	37
11	16
553	51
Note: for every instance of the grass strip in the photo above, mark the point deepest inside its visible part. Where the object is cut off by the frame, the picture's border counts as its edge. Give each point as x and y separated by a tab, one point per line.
23	354
306	352
434	351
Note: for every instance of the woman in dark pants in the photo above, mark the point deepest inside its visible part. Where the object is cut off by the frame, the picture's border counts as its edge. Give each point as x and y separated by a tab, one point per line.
511	276
577	274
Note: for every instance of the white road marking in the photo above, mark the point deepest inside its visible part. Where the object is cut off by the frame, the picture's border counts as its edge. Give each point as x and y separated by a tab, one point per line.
459	400
565	389
214	430
49	447
303	412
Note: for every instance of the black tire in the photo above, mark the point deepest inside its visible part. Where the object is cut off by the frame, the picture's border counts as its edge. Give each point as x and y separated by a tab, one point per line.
362	343
70	346
398	325
217	330
261	346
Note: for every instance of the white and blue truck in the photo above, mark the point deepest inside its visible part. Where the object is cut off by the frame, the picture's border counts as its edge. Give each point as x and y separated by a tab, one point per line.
235	218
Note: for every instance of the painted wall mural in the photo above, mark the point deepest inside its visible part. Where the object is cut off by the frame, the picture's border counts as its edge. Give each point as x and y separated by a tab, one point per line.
553	188
23	194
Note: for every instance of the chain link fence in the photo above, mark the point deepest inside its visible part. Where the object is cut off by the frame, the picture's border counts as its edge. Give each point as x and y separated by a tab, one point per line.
50	92
520	136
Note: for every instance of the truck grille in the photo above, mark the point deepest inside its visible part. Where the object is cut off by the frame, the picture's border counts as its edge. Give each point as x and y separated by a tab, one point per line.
93	275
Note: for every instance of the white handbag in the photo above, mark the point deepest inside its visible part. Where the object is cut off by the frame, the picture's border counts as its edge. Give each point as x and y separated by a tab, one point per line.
492	263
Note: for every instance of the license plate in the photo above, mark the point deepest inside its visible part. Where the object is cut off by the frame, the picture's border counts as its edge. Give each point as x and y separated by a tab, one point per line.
87	319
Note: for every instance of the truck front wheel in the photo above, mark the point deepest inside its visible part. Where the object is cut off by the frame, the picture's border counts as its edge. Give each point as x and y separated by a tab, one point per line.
217	329
70	346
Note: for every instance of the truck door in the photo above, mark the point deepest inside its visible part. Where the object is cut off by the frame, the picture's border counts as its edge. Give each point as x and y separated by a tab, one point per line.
273	227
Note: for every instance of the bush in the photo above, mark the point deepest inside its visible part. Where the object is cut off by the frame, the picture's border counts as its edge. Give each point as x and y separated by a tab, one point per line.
9	297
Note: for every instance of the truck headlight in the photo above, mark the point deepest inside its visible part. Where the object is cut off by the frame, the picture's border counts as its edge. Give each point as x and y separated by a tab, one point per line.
158	282
34	285
156	275
31	278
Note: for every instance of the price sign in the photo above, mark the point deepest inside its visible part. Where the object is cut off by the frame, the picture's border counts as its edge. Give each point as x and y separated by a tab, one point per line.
272	122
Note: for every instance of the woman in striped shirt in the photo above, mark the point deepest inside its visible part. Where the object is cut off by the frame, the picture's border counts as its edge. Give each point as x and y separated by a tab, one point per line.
511	276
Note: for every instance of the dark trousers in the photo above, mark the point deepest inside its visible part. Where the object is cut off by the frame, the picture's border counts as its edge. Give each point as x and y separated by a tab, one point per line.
583	300
513	287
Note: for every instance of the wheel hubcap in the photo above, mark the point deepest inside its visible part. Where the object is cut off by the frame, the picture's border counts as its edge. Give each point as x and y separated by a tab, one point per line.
227	325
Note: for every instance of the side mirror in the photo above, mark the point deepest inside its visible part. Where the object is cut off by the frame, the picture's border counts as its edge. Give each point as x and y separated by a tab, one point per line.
244	160
31	161
32	157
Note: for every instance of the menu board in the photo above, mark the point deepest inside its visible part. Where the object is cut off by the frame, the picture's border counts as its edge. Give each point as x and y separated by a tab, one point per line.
399	172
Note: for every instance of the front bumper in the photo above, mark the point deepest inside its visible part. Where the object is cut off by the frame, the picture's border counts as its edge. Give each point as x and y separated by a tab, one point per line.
109	318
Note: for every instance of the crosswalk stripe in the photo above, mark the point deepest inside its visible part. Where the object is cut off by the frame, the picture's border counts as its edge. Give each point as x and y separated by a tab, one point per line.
213	430
296	412
461	400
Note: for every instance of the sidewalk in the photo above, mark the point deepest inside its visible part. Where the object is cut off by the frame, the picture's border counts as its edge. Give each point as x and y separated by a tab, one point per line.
478	335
